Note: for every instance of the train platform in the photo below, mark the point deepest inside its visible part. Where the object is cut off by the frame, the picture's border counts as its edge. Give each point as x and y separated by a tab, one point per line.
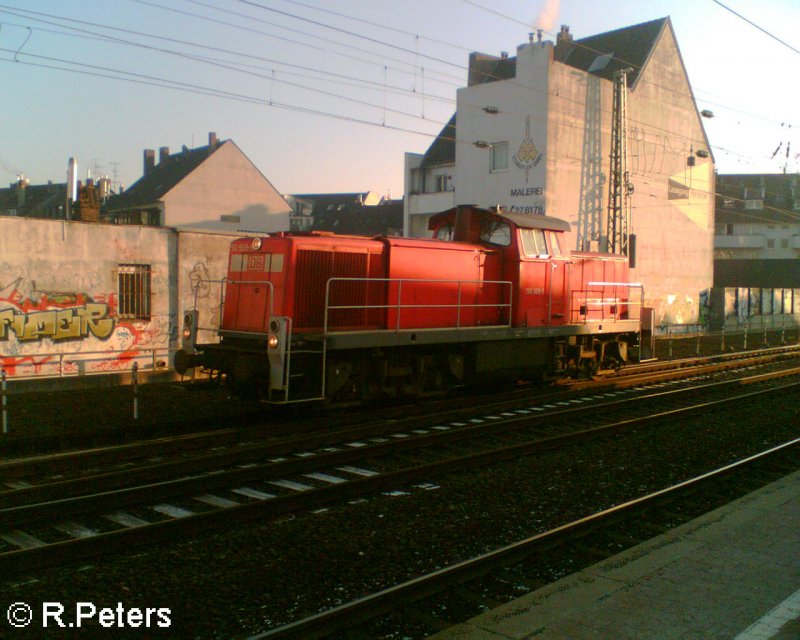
731	574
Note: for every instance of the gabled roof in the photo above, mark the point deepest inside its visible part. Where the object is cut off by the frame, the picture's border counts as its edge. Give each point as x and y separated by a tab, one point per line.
151	188
382	219
484	68
40	199
606	53
602	55
443	149
780	192
334	202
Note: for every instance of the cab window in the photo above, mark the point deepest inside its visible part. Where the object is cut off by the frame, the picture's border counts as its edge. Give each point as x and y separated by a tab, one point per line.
445	232
496	232
533	243
555	246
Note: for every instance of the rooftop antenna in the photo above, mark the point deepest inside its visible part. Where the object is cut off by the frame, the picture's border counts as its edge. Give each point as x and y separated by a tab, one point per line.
115	164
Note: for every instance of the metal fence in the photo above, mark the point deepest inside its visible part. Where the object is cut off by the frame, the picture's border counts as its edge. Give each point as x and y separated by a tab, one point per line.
83	363
696	339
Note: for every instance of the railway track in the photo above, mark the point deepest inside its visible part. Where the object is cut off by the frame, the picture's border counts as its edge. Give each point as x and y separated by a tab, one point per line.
194	452
390	612
49	524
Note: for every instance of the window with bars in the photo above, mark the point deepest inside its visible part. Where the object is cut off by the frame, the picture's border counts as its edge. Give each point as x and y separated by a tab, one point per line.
134	291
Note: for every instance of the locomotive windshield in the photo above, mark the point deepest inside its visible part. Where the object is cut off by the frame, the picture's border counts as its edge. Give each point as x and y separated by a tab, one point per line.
496	232
445	232
533	243
538	243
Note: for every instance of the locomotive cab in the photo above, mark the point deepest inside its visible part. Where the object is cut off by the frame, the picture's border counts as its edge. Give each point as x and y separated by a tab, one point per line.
529	254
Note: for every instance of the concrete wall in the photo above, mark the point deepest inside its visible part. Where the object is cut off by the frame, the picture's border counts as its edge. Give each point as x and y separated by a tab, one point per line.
227	184
59	294
673	202
203	260
556	120
520	122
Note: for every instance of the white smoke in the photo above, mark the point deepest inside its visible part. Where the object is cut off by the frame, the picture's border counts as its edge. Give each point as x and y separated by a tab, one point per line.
548	16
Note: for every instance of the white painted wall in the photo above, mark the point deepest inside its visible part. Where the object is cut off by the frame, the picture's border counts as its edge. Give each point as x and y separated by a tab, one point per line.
521	122
226	184
557	122
418	205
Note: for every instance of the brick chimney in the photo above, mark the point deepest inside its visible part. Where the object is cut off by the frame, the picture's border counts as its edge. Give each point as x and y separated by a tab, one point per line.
212	139
163	155
563	43
22	183
149	161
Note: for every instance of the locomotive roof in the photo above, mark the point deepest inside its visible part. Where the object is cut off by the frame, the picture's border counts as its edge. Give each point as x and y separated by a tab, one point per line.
532	221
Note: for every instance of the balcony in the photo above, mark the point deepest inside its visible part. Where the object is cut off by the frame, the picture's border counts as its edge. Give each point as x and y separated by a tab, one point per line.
740	242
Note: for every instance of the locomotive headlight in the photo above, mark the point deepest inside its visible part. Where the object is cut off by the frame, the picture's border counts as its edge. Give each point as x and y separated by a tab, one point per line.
273	341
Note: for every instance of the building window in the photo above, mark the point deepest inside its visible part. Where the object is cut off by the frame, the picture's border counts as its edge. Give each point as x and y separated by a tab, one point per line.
134	291
441	183
500	156
770	243
728	229
784	243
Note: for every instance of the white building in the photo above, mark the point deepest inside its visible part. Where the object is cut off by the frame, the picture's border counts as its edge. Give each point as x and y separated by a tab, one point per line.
532	133
756	249
215	188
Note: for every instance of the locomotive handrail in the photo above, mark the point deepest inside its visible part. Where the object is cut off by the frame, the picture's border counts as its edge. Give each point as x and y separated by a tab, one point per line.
399	306
222	290
586	304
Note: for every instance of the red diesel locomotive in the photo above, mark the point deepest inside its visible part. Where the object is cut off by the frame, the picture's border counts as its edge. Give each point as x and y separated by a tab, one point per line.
317	316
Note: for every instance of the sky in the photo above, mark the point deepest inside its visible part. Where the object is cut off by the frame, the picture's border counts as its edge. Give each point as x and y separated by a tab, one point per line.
327	96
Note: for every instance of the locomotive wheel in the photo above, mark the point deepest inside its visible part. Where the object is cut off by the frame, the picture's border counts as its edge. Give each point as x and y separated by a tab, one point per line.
587	367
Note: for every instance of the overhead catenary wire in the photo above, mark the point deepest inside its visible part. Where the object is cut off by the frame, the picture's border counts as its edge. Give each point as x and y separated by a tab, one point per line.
289	64
108	73
212	91
451	79
760	28
48	19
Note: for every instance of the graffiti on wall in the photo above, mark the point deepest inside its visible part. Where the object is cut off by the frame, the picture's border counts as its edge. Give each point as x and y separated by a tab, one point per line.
199	280
55	315
60	324
31	317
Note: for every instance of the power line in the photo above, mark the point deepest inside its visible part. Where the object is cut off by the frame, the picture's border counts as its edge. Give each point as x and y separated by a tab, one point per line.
294	41
215	92
349	33
165	83
228	66
753	24
379	25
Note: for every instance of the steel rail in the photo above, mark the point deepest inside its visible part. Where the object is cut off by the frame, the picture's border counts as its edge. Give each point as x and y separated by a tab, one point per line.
14	562
375	605
76	496
113	454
